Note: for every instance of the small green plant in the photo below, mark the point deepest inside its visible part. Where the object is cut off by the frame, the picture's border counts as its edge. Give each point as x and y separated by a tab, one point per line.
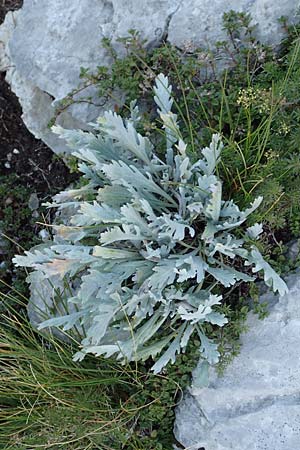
16	229
152	243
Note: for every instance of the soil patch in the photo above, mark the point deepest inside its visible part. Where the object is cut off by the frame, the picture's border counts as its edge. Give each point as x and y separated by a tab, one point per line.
21	154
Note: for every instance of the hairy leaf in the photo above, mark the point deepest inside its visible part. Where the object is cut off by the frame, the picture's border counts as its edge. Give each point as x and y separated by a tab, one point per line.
272	279
149	243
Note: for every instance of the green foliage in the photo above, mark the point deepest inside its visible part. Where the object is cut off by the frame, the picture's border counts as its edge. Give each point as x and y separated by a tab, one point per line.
16	228
161	240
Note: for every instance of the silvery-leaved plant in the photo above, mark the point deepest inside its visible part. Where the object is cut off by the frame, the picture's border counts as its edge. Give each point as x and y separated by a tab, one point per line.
148	241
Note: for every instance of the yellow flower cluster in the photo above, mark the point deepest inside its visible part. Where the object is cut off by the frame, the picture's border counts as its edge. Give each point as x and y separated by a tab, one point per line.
259	98
284	129
271	154
247	97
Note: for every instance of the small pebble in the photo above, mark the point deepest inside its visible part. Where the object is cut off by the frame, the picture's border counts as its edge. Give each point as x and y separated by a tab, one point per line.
33	202
8	201
7	165
16	151
44	235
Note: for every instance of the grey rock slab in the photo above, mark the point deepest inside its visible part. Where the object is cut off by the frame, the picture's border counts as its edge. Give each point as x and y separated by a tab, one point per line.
36	104
43	46
293	251
255	405
6	30
66	34
200	21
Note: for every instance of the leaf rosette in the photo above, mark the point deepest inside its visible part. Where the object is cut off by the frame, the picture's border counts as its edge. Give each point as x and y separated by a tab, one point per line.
148	240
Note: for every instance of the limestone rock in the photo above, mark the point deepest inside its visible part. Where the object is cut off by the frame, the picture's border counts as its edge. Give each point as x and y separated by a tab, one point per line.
200	21
36	104
43	65
6	30
43	45
293	251
256	404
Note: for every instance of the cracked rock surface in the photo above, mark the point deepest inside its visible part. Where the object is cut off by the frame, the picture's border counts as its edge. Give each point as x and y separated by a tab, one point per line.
200	21
43	45
255	405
